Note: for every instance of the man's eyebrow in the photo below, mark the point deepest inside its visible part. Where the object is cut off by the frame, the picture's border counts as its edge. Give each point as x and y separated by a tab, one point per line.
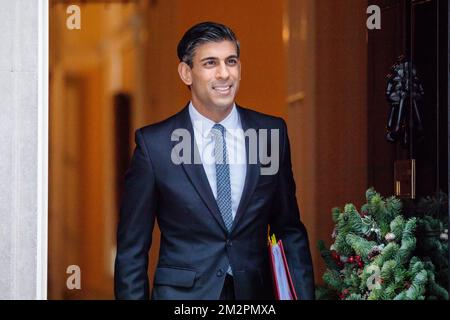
208	58
215	58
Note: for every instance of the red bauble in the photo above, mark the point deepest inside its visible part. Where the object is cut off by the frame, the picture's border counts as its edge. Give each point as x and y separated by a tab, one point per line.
351	259
358	258
334	255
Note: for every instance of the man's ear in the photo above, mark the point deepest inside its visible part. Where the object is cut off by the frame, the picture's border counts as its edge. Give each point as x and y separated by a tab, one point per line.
185	73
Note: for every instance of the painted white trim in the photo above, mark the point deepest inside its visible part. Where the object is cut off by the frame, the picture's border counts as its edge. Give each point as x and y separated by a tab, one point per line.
42	149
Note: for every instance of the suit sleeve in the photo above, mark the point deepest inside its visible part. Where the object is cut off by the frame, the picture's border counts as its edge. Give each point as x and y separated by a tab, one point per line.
136	221
286	224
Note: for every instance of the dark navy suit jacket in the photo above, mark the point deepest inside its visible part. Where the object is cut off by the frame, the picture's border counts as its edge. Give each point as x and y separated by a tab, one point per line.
195	247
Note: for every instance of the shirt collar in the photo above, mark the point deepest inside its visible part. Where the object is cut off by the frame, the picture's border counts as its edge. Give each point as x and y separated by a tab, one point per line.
204	125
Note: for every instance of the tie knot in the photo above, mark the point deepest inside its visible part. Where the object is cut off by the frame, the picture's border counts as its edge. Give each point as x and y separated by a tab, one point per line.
218	128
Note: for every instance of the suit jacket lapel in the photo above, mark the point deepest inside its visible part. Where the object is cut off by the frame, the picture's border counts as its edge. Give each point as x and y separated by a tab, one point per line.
196	172
253	169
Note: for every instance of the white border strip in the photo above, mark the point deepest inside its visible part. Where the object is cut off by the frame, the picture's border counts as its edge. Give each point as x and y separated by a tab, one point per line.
42	149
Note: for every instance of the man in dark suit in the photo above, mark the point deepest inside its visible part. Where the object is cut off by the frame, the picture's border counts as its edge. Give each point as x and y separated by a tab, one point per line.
213	210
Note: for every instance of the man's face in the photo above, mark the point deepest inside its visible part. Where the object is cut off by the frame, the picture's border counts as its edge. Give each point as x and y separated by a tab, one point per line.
215	75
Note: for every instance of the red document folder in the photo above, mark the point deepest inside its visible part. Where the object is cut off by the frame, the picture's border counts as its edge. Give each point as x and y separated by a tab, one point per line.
282	280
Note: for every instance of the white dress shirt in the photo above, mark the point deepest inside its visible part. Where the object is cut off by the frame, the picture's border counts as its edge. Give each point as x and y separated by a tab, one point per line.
236	153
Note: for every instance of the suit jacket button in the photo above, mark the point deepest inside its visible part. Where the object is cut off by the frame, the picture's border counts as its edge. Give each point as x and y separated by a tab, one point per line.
229	243
219	272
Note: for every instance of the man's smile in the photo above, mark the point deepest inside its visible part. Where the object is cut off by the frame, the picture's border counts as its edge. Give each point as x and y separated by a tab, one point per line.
223	89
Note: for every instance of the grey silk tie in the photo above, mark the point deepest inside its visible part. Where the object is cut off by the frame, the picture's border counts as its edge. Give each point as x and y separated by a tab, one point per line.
222	177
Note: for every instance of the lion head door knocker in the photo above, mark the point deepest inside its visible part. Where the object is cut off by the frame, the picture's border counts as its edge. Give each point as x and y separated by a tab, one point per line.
402	90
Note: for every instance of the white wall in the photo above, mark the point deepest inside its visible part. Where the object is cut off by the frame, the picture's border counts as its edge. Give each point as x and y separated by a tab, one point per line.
23	148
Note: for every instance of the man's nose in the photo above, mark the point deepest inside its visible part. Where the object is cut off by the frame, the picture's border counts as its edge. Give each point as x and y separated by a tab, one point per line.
222	71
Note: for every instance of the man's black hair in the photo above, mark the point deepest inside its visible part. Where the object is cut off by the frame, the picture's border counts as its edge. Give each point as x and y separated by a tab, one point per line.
200	34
